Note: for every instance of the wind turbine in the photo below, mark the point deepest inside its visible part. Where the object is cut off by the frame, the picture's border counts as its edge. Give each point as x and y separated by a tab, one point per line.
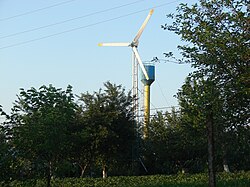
136	59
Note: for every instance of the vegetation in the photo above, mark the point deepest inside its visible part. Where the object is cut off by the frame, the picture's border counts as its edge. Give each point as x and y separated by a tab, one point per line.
181	180
49	135
216	95
52	137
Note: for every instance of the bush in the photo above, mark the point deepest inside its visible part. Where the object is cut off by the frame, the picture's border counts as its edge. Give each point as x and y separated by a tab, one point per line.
241	179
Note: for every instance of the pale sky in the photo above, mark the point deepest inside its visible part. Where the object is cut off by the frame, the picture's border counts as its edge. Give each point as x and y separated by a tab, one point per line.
55	42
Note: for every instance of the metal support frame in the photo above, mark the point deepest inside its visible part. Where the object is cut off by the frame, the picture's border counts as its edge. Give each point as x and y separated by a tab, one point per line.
135	87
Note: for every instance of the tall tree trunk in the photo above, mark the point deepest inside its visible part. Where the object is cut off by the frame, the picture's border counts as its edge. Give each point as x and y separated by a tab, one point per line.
104	171
225	166
49	173
225	163
210	137
83	169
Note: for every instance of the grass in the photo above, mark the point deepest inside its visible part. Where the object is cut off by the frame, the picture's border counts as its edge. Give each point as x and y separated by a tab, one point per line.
240	179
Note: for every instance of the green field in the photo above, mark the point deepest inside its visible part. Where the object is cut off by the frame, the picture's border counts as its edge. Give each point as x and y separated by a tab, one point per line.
241	179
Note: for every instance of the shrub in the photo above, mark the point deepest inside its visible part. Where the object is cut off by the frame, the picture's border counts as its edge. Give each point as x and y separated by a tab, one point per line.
241	179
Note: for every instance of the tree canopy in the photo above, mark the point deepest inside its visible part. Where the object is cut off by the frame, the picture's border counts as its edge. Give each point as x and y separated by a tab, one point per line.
216	35
50	132
216	42
40	126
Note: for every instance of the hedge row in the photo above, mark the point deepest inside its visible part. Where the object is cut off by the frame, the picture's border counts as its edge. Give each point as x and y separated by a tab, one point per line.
241	179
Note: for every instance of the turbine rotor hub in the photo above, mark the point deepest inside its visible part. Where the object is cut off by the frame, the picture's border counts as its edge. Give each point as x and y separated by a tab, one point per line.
134	44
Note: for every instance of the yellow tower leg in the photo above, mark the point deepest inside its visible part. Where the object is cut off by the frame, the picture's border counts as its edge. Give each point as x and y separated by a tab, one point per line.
146	109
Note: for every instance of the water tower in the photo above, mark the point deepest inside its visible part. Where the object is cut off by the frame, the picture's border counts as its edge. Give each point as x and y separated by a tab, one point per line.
150	68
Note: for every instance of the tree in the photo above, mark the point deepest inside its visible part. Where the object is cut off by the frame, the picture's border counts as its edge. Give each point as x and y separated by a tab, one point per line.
41	120
5	157
162	145
108	119
175	144
200	106
217	36
217	33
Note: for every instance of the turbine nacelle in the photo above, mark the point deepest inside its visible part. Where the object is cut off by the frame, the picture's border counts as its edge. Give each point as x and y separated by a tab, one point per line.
134	44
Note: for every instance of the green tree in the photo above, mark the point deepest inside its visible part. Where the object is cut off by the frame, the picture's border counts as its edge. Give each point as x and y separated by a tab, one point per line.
194	97
41	120
162	144
174	144
108	120
199	102
5	156
4	166
216	33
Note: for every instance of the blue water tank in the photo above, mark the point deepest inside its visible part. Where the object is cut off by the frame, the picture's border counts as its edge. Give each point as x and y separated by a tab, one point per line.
151	74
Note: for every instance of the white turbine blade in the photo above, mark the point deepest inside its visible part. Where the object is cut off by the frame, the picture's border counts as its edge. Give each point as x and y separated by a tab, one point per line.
140	62
120	44
138	35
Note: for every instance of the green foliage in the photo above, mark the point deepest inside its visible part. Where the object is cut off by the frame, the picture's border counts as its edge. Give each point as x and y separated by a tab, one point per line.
216	42
217	33
174	145
47	134
5	160
108	125
39	129
241	179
